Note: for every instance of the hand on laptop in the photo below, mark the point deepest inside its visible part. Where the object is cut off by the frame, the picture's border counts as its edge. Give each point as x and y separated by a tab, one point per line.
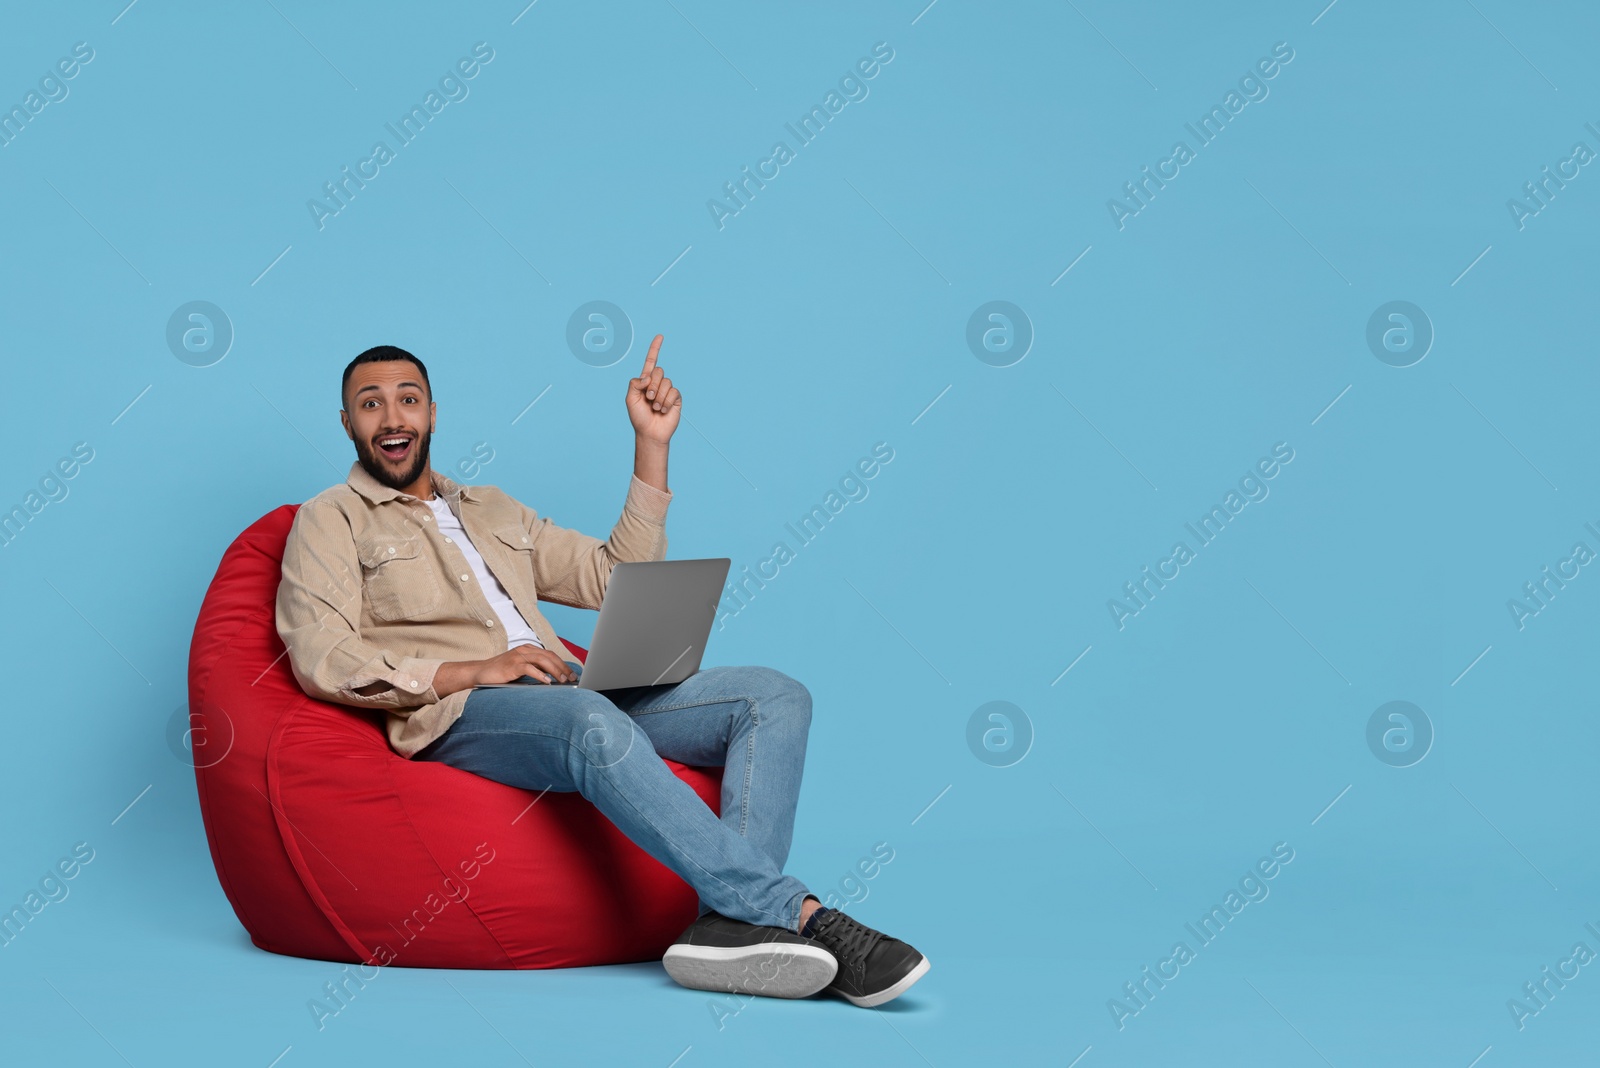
520	660
456	675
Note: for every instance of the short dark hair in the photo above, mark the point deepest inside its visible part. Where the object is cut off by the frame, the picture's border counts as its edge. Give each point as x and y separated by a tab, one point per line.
381	354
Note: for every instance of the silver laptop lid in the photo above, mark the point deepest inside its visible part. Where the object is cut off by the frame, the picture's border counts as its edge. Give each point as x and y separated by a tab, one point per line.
655	619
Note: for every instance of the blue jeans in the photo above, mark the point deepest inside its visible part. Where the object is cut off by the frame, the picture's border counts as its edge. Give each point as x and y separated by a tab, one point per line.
608	746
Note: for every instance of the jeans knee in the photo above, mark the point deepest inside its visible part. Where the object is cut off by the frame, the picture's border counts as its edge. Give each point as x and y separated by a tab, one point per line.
780	694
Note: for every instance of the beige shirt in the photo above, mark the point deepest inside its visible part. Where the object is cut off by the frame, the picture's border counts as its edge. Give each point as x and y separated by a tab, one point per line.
374	598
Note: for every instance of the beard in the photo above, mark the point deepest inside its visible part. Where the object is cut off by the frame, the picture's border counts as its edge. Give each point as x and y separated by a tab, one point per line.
381	468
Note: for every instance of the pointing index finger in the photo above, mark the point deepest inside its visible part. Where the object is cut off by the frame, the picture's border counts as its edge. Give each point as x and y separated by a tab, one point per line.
650	357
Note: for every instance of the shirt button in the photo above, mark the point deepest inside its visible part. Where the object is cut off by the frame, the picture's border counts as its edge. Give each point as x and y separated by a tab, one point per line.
524	539
391	550
463	578
427	519
488	622
447	538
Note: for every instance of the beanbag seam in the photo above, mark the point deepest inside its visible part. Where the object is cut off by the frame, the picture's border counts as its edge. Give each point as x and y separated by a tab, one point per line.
197	699
388	770
292	847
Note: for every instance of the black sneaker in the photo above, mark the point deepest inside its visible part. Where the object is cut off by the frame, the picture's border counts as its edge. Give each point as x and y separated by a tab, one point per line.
873	968
731	956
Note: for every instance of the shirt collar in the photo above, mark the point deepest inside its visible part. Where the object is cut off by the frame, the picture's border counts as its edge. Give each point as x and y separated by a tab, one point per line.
376	492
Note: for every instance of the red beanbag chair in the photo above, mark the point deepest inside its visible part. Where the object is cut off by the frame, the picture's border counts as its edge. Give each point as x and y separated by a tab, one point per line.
330	845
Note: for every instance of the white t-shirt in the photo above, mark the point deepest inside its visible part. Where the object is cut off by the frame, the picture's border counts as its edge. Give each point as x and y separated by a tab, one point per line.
517	630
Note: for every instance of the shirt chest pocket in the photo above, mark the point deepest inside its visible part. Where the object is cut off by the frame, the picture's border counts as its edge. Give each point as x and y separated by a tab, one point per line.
397	579
518	548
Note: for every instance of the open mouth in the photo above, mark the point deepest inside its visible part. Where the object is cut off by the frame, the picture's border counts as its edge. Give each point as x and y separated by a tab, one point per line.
395	446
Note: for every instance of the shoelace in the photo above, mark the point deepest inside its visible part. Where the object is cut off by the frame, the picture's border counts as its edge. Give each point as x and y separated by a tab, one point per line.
849	940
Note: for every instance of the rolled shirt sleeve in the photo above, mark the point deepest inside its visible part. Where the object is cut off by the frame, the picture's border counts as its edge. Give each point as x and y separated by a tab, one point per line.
318	616
572	568
650	503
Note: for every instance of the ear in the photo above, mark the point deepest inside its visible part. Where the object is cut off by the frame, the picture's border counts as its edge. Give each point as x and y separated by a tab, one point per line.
344	420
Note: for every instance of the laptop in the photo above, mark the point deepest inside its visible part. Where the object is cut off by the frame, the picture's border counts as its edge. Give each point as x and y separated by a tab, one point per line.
655	618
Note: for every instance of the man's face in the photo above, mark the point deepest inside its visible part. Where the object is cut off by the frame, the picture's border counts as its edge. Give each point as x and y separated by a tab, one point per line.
390	417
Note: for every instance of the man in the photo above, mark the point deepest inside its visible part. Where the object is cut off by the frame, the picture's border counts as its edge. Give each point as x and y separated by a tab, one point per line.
405	591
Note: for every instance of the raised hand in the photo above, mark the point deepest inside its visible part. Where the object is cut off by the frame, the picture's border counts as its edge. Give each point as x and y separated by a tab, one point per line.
653	401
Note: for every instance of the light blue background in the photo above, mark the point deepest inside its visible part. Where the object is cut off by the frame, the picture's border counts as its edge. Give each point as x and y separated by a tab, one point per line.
1226	317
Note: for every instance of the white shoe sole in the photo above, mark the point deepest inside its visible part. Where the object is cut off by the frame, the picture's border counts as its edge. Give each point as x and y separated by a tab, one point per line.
772	969
872	1001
